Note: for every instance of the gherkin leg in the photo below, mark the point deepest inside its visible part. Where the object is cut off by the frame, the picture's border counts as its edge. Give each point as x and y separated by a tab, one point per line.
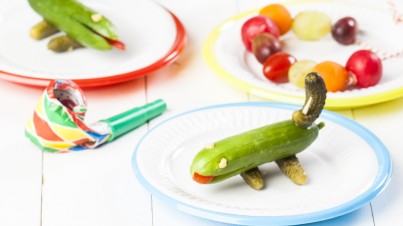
63	43
42	30
253	178
293	169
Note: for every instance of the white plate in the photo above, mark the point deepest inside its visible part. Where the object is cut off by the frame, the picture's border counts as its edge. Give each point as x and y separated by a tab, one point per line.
149	31
227	56
347	167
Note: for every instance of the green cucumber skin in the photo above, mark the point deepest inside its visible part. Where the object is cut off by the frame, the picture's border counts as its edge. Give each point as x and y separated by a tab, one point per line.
253	148
83	14
74	18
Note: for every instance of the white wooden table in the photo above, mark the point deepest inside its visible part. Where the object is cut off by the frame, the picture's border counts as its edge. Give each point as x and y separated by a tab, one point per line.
99	188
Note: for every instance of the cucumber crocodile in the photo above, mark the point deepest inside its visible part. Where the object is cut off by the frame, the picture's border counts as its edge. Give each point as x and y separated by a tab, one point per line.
242	152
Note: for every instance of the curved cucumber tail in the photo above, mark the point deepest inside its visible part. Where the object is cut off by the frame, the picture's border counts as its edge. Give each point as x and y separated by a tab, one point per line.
315	98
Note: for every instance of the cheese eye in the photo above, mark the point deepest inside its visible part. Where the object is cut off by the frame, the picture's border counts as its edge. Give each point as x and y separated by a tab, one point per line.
223	163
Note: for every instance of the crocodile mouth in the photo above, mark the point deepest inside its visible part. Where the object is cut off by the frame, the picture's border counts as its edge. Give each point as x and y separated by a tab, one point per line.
202	179
113	42
208	179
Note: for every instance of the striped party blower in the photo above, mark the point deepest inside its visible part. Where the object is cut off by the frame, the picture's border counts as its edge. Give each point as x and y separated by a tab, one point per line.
57	124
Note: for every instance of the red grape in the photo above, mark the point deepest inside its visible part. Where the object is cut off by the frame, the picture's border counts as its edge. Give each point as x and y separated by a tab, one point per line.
345	30
366	67
276	67
264	45
255	26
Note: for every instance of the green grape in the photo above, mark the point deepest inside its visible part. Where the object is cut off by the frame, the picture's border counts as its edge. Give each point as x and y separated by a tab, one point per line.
311	25
298	71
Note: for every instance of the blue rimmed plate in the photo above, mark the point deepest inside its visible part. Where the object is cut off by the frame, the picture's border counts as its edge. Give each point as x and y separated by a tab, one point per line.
347	167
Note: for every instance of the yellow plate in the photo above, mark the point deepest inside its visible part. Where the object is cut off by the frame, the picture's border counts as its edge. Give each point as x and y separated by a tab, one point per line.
226	55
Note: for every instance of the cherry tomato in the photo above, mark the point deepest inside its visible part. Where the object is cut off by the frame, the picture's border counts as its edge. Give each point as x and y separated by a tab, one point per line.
366	68
202	179
277	65
255	26
280	16
334	75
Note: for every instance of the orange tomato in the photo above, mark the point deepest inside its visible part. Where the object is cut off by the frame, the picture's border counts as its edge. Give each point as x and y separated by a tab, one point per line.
280	16
334	75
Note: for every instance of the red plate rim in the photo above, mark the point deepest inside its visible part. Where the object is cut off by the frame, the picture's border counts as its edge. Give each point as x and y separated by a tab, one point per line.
174	52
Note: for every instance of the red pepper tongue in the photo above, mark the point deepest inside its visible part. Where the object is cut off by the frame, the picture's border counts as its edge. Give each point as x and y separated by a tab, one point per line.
202	179
117	44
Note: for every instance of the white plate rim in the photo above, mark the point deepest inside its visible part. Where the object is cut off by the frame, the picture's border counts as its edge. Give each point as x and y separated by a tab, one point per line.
379	184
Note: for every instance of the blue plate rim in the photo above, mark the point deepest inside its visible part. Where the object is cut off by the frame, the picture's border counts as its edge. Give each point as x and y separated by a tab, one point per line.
380	183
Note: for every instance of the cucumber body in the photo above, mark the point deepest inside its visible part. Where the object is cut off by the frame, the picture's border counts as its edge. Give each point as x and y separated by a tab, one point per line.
75	19
253	148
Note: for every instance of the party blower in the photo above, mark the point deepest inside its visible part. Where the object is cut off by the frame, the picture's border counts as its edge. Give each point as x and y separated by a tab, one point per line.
57	124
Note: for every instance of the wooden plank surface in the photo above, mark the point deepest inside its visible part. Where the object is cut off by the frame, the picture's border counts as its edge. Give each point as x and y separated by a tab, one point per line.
99	188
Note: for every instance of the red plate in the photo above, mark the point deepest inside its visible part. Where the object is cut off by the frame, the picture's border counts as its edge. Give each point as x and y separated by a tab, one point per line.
28	62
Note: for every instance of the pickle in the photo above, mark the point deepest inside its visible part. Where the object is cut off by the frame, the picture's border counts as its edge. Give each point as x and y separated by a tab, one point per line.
315	98
253	178
42	30
63	43
293	169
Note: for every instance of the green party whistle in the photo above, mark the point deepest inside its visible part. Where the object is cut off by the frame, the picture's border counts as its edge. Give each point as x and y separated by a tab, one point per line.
133	118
